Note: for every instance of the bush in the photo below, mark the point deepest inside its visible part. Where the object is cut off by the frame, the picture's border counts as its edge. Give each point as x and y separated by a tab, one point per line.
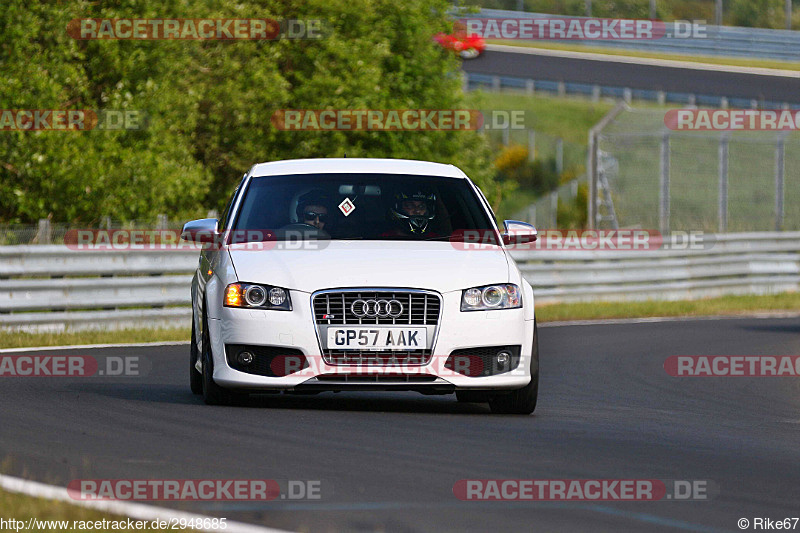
757	13
573	215
511	158
513	166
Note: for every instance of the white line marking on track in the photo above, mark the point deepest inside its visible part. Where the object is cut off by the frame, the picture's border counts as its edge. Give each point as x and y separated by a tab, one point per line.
650	319
136	511
94	346
592	322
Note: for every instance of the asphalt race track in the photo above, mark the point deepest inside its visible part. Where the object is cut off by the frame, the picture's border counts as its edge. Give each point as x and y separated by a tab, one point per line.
388	461
636	76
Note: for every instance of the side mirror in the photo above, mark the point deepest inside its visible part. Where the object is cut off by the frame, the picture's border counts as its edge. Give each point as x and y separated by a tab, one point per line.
518	233
202	230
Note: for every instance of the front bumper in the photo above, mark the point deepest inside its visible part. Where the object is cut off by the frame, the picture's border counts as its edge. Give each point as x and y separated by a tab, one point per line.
295	330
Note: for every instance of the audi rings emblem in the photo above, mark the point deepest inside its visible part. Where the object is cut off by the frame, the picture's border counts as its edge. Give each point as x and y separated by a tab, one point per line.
377	308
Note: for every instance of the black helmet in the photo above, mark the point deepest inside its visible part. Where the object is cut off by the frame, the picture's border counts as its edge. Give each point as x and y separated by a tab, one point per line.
313	197
417	224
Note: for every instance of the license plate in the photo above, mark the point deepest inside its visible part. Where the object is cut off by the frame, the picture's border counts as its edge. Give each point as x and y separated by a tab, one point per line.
377	338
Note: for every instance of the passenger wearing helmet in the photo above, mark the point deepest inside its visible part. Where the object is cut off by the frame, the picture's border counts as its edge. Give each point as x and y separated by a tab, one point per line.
413	212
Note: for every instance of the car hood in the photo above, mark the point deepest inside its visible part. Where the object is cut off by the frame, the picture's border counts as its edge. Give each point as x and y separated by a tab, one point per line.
439	266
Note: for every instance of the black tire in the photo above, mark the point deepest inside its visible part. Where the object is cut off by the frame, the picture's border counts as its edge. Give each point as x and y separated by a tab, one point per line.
213	394
521	401
472	396
195	377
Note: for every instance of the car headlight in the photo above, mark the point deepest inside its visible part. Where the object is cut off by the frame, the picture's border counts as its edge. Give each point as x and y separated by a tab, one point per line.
253	296
489	297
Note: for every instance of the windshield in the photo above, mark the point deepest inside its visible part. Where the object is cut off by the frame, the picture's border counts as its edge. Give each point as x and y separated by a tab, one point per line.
360	206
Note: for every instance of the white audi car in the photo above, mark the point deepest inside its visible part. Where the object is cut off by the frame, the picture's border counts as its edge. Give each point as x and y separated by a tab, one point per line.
362	274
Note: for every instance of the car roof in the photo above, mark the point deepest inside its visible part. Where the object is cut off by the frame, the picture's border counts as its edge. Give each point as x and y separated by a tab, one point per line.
355	166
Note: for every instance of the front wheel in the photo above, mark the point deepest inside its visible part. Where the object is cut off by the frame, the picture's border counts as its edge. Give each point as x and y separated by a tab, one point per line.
213	394
195	377
521	401
469	53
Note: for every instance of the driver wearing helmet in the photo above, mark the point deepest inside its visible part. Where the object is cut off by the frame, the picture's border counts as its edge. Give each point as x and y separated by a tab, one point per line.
413	212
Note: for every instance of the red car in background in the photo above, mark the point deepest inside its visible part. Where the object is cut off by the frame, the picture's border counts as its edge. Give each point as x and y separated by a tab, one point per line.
466	46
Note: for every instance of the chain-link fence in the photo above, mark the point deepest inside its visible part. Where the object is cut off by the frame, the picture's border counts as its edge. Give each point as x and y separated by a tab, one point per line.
542	146
564	159
651	177
554	209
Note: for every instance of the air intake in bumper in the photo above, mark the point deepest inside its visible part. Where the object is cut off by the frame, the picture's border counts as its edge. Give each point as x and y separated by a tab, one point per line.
269	361
484	360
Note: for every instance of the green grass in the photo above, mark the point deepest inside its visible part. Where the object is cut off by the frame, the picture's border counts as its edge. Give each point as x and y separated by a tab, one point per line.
725	305
21	339
570	118
714	60
21	507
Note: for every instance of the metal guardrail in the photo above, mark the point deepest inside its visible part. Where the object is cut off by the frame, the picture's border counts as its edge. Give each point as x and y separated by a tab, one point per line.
736	263
149	289
59	260
728	41
473	81
54	288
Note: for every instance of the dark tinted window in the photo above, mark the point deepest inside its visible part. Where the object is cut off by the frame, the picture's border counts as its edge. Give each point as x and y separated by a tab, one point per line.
363	206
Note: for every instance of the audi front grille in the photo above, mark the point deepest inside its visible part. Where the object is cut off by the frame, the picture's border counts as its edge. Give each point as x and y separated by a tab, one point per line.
365	307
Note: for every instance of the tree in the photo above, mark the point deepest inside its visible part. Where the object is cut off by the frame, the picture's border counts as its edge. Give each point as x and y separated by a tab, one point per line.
209	103
80	176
